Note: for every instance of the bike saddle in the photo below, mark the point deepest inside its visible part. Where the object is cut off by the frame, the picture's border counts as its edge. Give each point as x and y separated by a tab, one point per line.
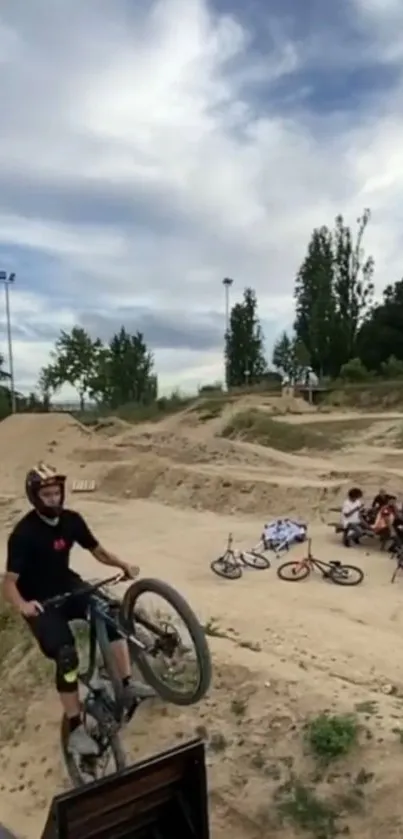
335	563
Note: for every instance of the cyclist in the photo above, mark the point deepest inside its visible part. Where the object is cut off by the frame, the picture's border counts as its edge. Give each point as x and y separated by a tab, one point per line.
38	555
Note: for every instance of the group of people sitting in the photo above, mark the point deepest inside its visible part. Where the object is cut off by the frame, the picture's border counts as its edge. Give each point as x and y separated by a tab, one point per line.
382	518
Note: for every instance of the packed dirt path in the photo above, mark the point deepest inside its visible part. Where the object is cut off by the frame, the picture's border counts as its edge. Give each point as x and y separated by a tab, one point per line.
292	644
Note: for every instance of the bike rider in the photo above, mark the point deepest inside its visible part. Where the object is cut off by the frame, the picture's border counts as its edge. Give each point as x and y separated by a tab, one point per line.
37	568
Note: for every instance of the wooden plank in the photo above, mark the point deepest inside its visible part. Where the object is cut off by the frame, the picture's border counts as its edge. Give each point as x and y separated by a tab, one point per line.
83	486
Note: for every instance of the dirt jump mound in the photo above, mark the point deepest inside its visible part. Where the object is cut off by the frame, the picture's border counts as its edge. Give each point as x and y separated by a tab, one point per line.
28	438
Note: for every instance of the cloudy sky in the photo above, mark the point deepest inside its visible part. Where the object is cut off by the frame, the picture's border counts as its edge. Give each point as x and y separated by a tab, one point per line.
149	149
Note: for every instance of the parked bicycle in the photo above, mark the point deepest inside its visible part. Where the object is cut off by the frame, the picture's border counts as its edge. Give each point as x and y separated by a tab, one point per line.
230	565
337	572
155	647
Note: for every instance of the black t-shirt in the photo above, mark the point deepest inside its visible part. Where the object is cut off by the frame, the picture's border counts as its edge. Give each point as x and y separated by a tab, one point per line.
40	553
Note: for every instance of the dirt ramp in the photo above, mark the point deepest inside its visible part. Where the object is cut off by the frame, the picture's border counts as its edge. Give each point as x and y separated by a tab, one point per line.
27	438
208	488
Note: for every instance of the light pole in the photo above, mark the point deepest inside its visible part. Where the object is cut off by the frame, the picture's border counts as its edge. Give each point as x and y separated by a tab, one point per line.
227	283
8	279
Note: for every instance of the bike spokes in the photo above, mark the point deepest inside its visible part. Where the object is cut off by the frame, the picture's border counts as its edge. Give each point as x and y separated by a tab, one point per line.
170	648
294	571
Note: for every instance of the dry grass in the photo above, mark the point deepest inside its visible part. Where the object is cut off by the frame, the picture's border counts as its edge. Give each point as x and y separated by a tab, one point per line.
23	672
368	396
258	427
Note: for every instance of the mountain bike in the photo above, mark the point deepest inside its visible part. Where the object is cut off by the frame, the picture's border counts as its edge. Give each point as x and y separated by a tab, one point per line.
153	644
229	565
337	572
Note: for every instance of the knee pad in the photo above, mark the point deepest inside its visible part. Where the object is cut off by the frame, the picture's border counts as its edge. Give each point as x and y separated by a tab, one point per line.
67	669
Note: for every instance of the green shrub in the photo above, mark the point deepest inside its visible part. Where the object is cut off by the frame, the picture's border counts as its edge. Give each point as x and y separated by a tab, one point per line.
330	737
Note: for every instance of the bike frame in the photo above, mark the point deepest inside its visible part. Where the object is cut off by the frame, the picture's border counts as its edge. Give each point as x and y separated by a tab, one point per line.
311	562
236	555
101	608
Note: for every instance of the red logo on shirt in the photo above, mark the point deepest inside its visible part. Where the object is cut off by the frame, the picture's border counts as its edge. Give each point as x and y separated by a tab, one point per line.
59	544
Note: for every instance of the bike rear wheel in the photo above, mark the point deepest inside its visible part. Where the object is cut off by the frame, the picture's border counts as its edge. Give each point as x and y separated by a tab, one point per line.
255	560
82	770
346	575
145	659
226	566
293	571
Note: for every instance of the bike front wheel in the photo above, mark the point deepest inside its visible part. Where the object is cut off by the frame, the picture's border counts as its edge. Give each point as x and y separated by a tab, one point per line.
293	571
346	575
165	648
226	567
255	560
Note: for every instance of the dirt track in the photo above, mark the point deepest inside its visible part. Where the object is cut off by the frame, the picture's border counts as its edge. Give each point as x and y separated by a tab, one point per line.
287	651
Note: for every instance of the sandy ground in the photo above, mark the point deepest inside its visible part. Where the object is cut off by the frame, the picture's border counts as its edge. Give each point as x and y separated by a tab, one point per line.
286	651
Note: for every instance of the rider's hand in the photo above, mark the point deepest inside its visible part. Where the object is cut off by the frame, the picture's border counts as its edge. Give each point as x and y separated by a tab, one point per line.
30	608
130	571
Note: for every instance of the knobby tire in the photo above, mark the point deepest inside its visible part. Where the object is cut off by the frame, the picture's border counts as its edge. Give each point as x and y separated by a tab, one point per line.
221	567
194	628
303	573
344	581
255	560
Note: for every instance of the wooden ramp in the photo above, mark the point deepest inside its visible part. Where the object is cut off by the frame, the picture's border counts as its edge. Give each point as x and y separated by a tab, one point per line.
160	798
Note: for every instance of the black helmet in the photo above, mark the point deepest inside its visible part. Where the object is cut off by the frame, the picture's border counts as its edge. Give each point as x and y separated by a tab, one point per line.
41	476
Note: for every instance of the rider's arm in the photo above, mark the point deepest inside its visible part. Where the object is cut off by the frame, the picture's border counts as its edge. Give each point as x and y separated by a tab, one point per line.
86	539
14	566
348	512
10	591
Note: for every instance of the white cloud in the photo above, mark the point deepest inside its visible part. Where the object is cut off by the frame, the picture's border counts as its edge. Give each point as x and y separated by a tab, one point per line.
172	114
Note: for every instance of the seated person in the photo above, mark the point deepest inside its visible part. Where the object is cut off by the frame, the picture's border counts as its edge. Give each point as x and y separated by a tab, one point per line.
381	499
352	509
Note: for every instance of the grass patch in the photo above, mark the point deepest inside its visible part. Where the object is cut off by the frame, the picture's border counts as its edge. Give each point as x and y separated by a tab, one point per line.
345	427
300	806
368	707
258	427
15	639
23	671
135	413
373	395
330	737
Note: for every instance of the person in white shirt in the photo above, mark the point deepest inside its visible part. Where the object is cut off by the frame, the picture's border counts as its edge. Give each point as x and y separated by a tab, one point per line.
351	516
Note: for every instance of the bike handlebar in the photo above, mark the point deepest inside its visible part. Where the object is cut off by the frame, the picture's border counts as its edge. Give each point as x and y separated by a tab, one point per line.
88	589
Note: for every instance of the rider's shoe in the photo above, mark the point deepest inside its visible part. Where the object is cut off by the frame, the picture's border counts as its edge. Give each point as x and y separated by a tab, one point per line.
81	743
134	692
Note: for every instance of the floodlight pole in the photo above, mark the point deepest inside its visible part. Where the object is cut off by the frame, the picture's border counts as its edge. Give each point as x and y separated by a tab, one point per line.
227	283
9	279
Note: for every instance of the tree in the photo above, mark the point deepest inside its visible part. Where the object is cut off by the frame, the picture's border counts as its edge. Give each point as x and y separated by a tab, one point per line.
353	286
48	383
282	358
124	371
74	362
315	304
381	335
354	371
333	293
244	343
291	357
3	373
392	368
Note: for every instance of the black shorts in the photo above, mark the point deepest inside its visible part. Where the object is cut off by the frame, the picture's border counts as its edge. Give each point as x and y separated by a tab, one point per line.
51	628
